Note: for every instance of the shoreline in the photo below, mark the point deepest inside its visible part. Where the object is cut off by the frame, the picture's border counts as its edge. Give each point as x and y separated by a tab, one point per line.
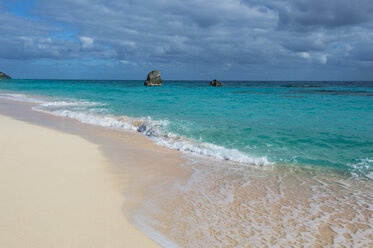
59	109
134	162
53	196
172	198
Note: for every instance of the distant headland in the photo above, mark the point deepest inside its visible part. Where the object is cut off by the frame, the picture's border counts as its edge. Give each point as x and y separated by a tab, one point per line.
4	76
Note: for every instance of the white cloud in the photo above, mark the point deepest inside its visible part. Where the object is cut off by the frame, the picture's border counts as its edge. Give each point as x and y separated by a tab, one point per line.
305	55
87	42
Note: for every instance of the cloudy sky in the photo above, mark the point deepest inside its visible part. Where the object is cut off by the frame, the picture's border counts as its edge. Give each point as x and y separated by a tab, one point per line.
189	39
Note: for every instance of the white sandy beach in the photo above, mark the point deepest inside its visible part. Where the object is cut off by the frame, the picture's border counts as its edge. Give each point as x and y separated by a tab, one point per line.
57	190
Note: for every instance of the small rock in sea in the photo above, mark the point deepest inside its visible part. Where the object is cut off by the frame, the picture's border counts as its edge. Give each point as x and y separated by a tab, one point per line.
216	83
141	128
153	79
4	76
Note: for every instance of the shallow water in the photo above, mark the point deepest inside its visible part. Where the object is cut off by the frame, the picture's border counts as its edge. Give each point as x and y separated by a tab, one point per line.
241	207
319	124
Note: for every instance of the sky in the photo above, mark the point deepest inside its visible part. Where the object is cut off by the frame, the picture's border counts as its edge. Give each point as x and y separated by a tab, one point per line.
187	40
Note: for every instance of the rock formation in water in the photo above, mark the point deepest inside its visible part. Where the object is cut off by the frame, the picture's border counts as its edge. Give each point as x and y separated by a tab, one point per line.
153	79
4	76
216	83
142	128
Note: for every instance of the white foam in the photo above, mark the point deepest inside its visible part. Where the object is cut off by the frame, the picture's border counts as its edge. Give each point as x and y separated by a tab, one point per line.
20	97
155	132
210	150
67	104
363	166
370	175
155	129
92	119
45	102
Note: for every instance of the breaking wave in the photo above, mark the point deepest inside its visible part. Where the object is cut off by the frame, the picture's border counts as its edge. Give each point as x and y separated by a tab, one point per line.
156	130
91	113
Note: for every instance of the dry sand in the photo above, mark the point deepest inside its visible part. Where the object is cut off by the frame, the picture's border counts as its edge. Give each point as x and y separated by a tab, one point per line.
57	190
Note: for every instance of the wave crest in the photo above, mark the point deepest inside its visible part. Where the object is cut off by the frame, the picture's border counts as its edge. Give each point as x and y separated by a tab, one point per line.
90	113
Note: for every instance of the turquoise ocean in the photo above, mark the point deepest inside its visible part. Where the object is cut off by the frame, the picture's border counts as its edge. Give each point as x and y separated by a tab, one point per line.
274	164
312	124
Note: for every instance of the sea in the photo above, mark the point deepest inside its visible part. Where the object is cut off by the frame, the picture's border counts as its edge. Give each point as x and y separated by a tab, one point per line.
261	134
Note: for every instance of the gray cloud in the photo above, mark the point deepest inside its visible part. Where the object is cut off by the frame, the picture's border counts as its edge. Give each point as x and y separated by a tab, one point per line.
304	15
222	37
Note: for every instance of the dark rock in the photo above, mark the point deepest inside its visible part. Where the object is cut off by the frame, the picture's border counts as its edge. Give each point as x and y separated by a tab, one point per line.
216	83
149	133
4	76
241	92
153	79
141	128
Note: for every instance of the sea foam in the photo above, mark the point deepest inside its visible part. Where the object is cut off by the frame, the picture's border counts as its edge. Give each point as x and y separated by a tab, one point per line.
90	113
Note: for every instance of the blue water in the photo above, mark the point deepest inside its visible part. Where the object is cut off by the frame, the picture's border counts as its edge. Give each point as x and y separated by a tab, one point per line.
319	124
